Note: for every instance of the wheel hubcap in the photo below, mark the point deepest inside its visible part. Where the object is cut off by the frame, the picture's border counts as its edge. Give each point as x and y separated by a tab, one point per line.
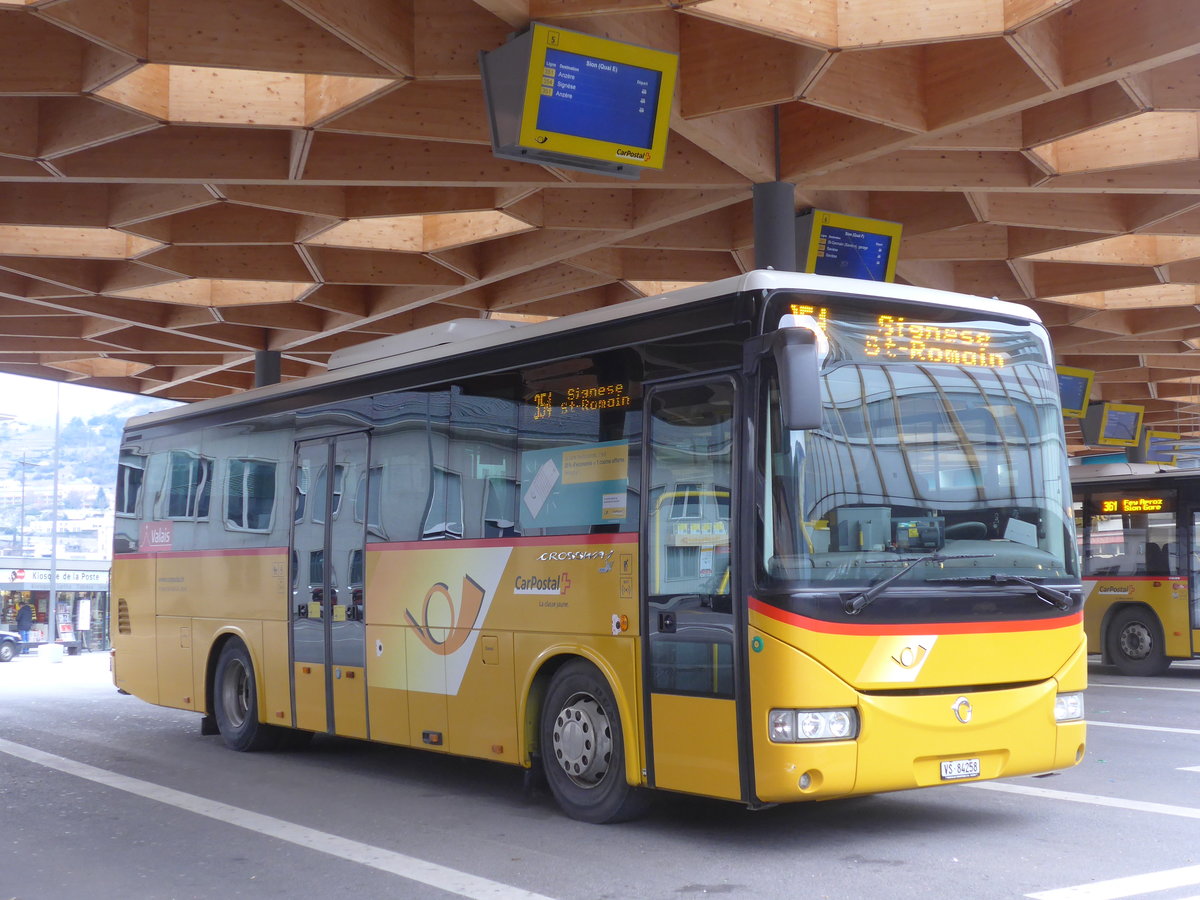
1136	641
583	740
235	691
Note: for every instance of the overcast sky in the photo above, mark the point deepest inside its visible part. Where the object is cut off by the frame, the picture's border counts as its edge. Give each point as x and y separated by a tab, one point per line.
32	400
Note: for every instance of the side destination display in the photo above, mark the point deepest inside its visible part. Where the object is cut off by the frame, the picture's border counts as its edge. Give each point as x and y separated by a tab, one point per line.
576	101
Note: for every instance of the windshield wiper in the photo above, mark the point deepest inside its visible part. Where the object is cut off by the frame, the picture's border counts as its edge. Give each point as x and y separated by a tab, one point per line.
861	601
1055	598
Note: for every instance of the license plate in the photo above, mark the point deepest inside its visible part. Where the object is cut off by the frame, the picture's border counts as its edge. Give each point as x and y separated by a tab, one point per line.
959	768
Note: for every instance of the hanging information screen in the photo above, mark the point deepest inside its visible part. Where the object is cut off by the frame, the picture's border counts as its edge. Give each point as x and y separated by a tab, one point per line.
577	101
1112	425
1074	387
829	243
598	99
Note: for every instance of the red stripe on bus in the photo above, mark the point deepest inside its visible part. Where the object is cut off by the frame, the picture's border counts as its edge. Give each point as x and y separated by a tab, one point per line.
1098	578
188	554
558	540
824	627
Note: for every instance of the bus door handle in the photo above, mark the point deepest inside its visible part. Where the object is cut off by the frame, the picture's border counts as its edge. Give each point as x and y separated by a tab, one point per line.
666	623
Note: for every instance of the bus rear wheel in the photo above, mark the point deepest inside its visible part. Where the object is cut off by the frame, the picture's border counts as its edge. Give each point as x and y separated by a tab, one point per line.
235	702
1135	642
583	748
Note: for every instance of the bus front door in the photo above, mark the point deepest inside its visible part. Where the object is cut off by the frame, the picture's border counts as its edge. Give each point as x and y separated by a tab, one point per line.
691	676
329	685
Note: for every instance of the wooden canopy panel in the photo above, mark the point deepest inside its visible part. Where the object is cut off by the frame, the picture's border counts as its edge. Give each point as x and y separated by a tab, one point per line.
186	182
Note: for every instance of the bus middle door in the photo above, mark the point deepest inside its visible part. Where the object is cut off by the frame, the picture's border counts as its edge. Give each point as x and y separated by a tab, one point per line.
329	685
691	680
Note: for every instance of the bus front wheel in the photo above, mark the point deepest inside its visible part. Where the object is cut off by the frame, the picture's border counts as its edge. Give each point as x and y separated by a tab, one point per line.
583	748
235	702
1135	642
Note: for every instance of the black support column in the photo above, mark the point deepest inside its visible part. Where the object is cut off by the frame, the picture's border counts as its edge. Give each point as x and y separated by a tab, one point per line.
775	226
266	367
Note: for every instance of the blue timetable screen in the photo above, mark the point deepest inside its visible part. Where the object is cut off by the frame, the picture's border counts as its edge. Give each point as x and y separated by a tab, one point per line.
1121	425
852	254
1072	389
598	99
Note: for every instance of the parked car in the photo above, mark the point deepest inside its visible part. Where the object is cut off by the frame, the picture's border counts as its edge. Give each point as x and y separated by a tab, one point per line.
10	645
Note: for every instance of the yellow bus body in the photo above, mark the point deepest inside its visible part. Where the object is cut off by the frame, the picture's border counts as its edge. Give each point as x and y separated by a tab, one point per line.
1167	596
909	726
489	711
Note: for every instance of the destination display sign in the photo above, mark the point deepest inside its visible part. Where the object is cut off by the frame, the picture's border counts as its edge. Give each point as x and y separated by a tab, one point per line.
899	338
582	398
1134	505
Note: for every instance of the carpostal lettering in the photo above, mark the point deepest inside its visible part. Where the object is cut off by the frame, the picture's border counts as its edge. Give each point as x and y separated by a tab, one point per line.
568	555
533	584
622	153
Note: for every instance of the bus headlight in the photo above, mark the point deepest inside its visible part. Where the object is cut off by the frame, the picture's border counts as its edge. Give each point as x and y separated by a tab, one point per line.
790	726
1068	707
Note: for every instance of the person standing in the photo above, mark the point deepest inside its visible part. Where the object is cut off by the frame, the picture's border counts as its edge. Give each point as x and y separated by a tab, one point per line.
25	624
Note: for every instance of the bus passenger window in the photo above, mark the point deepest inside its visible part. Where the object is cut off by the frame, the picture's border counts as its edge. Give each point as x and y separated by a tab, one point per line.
189	485
249	495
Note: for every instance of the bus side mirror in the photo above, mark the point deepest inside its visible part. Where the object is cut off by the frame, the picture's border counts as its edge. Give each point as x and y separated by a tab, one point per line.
796	360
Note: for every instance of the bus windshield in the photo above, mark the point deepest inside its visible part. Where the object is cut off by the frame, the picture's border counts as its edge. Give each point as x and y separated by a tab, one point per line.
941	437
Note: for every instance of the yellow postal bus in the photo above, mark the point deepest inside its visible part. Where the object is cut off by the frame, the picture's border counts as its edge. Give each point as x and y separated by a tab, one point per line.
782	537
1139	534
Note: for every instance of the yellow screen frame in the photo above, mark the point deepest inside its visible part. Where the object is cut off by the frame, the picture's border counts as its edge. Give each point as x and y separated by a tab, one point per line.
1108	409
1073	372
1148	434
822	219
666	64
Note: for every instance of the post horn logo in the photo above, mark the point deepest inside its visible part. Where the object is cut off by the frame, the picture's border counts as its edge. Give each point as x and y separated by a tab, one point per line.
962	710
444	639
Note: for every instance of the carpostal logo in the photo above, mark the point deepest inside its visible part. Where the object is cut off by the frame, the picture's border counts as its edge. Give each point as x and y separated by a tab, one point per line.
552	586
640	155
441	637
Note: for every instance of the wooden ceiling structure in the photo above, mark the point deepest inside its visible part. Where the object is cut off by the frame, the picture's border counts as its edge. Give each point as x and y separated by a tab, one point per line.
184	183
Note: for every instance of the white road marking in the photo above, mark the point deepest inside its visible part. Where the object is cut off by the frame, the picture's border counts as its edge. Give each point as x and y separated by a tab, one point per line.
1141	687
1130	886
1162	809
1188	769
1092	722
419	870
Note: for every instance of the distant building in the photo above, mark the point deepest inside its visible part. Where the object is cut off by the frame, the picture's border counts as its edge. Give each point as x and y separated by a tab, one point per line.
82	598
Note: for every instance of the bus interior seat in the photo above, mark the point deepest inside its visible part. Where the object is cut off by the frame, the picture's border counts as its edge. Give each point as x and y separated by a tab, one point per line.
966	531
1156	559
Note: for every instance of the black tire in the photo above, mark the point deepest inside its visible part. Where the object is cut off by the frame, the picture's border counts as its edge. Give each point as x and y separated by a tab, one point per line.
583	748
235	702
1134	641
7	651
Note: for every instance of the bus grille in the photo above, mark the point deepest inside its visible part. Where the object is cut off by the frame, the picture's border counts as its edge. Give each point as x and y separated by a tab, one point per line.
123	626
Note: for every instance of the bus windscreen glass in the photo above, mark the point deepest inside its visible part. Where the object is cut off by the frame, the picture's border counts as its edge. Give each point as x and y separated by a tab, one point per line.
942	434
